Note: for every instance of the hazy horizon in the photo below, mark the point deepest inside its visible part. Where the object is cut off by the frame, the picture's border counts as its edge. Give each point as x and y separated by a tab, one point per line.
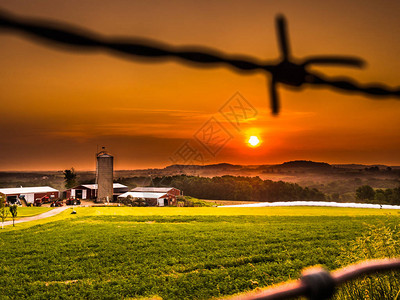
163	167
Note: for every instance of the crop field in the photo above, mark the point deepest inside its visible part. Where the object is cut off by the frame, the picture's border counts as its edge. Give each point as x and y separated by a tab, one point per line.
184	253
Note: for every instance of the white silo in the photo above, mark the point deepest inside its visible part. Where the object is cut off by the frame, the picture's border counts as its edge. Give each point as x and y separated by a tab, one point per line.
104	176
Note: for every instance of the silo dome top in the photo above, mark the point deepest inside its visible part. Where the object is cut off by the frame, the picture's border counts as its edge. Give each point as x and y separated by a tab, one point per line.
103	153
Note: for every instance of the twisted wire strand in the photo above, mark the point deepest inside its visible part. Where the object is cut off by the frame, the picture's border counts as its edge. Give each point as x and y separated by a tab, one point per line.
78	39
351	85
73	38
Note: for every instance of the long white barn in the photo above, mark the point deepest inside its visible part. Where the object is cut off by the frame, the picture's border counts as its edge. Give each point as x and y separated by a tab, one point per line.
154	196
29	194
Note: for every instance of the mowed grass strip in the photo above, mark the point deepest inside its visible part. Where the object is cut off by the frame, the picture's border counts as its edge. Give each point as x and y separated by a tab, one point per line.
186	253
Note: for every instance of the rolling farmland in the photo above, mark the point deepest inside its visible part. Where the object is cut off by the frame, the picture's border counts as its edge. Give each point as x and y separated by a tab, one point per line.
178	253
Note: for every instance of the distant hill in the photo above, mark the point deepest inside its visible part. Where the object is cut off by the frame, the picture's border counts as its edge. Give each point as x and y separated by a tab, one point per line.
231	167
221	166
304	164
290	167
359	166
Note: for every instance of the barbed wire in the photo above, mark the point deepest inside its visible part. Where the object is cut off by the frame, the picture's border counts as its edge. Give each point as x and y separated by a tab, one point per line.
319	284
287	70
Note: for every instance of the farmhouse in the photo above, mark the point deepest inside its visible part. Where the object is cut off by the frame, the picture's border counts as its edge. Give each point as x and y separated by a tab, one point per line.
154	196
89	191
29	194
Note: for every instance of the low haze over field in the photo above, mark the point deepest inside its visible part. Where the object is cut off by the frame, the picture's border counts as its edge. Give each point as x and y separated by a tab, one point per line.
59	107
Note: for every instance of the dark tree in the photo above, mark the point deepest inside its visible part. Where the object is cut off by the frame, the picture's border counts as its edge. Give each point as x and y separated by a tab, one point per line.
380	196
365	192
70	178
14	212
396	196
3	210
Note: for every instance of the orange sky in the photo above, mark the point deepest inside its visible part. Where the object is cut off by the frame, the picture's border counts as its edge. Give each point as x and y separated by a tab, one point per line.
58	107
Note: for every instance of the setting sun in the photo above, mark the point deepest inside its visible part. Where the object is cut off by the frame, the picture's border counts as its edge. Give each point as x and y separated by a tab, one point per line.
254	141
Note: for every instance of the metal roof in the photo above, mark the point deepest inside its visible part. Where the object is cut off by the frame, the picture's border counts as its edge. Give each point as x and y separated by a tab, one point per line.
94	186
143	195
104	153
28	190
152	189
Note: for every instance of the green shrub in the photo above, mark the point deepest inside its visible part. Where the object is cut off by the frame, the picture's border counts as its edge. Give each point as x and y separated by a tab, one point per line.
188	201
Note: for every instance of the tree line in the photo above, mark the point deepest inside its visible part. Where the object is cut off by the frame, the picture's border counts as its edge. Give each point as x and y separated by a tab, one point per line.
239	188
381	196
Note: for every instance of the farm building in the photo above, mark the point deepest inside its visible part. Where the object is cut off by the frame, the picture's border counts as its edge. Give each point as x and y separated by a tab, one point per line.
29	194
89	191
167	190
154	196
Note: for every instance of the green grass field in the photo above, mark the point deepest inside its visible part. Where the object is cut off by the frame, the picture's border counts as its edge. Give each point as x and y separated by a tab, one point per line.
28	212
183	253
